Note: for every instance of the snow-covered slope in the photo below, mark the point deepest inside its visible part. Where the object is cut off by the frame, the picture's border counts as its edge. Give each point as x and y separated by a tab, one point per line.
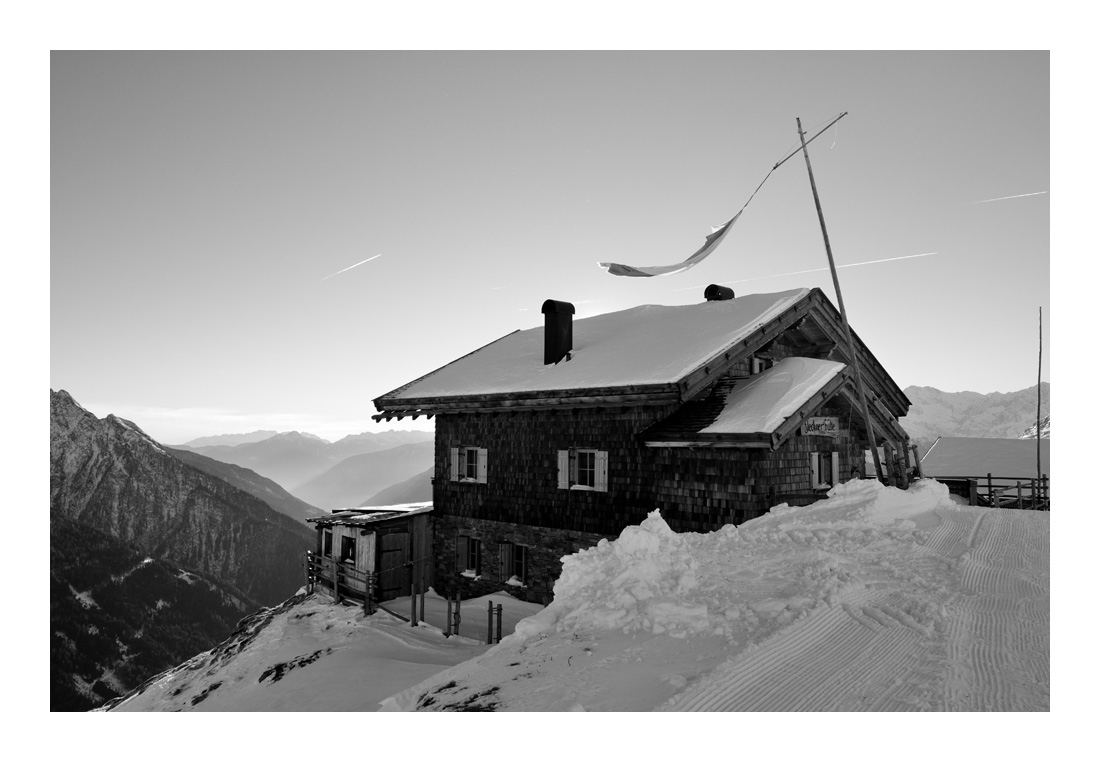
309	654
873	599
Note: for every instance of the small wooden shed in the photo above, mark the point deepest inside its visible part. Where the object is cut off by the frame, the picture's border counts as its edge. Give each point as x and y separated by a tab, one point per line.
392	544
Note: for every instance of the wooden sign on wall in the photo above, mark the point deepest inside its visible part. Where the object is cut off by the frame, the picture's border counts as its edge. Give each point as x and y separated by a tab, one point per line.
826	426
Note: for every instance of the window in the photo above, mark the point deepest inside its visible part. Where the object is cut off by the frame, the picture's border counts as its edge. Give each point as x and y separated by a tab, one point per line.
468	556
586	468
469	464
326	547
824	469
582	469
513	564
759	364
347	549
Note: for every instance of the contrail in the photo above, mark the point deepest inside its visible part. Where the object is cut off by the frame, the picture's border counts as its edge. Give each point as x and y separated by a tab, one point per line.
816	270
1004	198
376	256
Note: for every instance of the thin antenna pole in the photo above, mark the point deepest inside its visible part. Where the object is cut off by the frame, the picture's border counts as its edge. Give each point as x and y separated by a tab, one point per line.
840	302
1039	409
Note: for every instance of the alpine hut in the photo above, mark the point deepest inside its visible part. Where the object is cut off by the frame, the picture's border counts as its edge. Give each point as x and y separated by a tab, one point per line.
548	440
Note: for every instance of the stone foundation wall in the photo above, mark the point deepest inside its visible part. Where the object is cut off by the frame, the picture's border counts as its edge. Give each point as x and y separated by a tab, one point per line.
545	548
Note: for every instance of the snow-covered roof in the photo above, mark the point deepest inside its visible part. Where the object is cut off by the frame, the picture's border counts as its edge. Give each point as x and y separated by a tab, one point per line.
372	514
978	456
641	346
761	403
757	405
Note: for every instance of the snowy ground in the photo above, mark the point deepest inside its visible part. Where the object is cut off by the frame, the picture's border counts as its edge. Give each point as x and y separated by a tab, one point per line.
313	655
874	599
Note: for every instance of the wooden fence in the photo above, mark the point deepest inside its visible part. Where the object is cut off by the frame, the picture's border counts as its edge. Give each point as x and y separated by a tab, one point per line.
342	580
1025	493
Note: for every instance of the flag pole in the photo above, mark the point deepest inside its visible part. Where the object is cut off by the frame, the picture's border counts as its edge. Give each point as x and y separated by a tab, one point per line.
840	302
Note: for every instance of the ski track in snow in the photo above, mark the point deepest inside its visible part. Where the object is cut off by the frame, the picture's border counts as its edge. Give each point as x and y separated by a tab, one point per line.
990	650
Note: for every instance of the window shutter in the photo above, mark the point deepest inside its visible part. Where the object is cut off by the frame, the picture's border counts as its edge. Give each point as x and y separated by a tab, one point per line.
836	468
461	550
601	471
454	464
482	465
563	469
815	470
505	561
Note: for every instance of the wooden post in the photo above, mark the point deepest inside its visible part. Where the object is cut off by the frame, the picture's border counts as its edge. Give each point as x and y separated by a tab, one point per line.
500	612
309	578
489	630
335	579
1019	495
972	484
891	462
412	604
448	617
458	611
840	303
989	486
1046	491
1039	404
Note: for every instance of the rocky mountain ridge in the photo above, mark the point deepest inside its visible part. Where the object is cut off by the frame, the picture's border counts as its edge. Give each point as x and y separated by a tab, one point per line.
110	475
1044	425
935	413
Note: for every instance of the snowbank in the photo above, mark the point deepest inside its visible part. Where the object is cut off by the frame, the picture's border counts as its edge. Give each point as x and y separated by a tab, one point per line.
648	579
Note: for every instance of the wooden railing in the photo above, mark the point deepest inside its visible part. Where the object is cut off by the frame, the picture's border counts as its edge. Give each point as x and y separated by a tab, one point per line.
343	580
1026	493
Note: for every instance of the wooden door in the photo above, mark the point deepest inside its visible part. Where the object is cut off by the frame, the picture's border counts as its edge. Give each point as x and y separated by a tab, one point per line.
393	570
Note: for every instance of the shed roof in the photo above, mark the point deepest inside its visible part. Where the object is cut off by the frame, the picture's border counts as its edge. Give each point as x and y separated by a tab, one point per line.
978	456
372	515
646	345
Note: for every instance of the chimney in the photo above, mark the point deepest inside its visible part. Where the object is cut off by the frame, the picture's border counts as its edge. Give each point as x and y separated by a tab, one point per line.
558	330
716	293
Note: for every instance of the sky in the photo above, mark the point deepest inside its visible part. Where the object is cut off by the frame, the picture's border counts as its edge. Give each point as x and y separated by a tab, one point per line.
253	240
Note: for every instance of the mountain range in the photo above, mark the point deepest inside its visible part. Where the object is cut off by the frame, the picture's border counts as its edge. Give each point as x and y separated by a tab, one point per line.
354	479
935	414
294	458
415	489
115	493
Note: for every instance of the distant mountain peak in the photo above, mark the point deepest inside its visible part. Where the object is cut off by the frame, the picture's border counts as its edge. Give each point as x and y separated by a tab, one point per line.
290	435
231	440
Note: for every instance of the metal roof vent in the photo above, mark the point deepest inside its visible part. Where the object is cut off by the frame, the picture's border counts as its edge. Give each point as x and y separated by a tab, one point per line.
716	293
558	331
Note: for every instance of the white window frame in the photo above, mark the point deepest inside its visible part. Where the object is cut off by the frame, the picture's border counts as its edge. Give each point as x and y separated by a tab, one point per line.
460	462
568	469
815	469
